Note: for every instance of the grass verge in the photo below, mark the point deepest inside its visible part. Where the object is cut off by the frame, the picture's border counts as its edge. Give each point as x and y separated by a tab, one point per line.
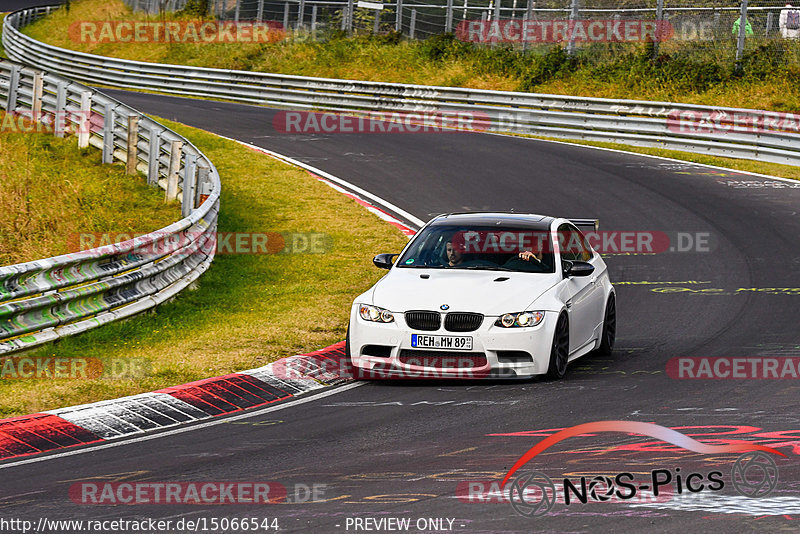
50	191
250	309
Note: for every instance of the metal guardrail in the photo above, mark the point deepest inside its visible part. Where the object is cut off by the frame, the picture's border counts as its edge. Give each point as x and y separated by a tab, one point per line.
730	132
47	299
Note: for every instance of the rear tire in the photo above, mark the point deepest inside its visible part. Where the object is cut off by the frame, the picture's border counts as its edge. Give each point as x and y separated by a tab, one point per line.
559	352
609	335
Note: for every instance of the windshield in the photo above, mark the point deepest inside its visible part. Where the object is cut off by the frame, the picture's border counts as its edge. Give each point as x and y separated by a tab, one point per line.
490	248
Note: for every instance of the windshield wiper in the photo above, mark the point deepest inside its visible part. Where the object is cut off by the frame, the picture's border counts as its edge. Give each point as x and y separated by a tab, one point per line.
487	268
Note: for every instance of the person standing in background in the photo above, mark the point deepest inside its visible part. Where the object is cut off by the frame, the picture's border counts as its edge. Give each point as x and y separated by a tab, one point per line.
789	22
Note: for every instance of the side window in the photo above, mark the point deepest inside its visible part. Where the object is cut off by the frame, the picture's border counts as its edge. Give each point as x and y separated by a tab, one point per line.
572	244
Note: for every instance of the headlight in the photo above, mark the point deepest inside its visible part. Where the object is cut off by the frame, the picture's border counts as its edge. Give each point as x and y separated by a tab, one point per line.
375	314
519	319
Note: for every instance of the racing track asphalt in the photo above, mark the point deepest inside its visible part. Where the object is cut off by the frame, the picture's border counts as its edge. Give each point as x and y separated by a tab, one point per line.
400	449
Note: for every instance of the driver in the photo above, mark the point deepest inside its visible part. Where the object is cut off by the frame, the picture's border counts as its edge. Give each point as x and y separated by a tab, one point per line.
454	255
529	255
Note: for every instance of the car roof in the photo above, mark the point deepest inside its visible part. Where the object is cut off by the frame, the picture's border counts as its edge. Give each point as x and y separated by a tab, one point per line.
525	220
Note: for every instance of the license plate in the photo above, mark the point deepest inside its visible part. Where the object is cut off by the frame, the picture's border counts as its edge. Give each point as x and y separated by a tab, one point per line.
441	342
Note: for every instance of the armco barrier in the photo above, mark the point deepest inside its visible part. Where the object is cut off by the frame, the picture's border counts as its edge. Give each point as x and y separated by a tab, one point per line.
738	133
55	297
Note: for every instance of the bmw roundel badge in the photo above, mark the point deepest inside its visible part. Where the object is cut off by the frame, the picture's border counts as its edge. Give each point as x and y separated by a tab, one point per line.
444	307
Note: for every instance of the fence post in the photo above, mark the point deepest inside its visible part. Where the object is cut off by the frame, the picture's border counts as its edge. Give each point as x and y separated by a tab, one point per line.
108	134
344	18
153	157
349	16
314	20
174	169
301	14
769	24
236	11
60	119
36	97
260	14
413	25
377	24
528	17
741	37
448	21
659	18
13	85
573	16
286	16
398	17
84	124
189	183
496	16
133	144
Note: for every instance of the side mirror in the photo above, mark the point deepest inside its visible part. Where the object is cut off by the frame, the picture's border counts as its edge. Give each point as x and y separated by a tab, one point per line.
577	268
384	261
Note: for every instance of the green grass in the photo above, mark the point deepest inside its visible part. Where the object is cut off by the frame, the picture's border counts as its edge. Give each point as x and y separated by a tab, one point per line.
249	309
50	191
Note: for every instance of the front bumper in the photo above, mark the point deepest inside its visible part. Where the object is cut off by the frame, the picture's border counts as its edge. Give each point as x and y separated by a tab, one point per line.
383	350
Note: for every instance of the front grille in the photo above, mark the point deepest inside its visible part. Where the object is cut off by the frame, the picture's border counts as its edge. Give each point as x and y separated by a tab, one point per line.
423	320
443	359
462	321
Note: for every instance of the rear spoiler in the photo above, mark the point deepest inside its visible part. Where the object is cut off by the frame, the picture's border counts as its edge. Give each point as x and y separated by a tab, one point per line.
586	225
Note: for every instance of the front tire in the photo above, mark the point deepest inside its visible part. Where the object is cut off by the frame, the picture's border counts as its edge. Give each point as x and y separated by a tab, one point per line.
559	352
609	334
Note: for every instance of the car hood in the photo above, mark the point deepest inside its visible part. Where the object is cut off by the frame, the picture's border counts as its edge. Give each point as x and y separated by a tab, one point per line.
486	292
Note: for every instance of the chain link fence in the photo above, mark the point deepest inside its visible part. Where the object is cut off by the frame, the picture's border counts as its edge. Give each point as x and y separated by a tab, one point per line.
708	29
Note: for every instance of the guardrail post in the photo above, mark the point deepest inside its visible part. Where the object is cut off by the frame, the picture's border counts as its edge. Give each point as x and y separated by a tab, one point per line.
189	184
286	16
174	168
448	24
108	134
398	17
236	10
377	25
84	124
260	14
133	144
13	86
344	19
202	189
768	27
496	10
153	157
413	24
36	98
59	119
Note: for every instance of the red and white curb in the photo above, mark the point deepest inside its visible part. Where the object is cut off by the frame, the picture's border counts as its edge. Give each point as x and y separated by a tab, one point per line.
213	397
169	407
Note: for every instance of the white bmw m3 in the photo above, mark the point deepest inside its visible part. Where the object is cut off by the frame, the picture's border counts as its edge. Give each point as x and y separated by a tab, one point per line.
485	295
